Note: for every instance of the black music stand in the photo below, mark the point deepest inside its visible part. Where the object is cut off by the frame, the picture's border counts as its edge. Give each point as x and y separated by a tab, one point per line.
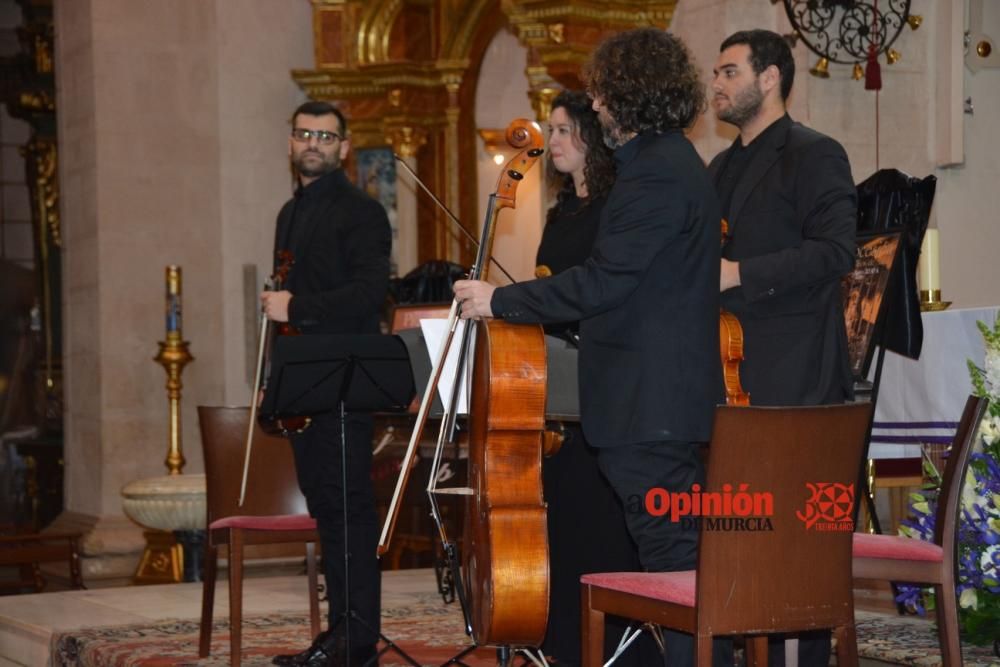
317	374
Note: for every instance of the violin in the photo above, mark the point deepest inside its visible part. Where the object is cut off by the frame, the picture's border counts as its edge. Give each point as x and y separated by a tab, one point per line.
271	425
731	348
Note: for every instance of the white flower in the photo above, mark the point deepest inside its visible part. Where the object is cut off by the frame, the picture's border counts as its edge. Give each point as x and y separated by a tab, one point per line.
970	490
990	429
993	370
968	599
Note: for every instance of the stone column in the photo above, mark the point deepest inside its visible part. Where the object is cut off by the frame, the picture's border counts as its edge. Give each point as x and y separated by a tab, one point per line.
172	131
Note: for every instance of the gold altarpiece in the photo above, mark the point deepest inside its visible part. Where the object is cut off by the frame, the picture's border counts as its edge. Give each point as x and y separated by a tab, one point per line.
405	73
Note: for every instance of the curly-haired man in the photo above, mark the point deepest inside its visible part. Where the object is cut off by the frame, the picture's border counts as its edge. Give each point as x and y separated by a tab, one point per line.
647	299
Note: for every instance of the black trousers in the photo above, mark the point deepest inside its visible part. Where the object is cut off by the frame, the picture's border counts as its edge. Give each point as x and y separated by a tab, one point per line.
587	533
318	466
664	545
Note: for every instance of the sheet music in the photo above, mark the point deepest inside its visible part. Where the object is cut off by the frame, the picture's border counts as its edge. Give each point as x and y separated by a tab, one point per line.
435	331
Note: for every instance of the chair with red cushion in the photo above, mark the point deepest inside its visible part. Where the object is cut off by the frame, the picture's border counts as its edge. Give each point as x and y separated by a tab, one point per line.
795	577
902	559
274	512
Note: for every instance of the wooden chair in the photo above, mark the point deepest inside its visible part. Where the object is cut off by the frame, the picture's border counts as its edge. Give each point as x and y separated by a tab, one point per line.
793	578
274	512
895	558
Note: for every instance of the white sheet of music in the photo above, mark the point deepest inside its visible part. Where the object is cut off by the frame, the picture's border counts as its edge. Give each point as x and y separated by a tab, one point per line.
435	331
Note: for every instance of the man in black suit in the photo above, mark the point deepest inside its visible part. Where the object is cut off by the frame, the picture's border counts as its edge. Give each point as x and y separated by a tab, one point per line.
340	239
647	297
789	197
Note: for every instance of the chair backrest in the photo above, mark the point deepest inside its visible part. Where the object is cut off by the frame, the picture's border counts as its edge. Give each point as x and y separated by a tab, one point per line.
950	497
791	475
408	316
272	487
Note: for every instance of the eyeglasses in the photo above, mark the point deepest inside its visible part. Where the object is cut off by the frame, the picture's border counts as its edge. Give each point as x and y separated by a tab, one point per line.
323	137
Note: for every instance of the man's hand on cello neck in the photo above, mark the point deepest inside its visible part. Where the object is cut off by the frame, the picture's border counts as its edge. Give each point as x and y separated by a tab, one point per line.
474	297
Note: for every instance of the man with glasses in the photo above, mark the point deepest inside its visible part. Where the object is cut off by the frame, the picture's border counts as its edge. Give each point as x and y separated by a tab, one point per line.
340	241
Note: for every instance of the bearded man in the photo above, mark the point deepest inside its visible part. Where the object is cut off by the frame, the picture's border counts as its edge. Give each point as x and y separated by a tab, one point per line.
646	299
340	240
790	200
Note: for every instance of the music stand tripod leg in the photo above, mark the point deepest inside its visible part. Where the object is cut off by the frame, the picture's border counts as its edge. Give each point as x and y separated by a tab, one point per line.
348	615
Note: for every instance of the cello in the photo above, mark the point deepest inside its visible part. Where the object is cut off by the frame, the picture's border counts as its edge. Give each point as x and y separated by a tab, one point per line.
506	561
504	582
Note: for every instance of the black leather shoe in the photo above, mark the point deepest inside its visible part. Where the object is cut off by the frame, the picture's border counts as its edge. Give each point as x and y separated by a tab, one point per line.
321	653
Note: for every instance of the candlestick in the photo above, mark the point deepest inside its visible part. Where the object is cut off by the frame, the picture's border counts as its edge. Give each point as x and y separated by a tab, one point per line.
173	356
173	301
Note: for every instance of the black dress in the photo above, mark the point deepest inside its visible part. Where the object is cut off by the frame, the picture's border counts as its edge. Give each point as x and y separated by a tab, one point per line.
586	524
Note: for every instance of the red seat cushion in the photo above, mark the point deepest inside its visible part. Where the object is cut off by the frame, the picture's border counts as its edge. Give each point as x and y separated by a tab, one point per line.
896	548
276	522
675	587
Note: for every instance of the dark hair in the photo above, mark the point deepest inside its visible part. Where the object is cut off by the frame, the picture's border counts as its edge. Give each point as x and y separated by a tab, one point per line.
314	108
647	80
766	48
599	165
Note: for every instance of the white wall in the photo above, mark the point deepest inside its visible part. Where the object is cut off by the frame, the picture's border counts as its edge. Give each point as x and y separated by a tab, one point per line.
967	205
904	126
259	42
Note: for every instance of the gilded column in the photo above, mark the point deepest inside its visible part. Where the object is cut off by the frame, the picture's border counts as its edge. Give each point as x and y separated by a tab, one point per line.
406	141
448	245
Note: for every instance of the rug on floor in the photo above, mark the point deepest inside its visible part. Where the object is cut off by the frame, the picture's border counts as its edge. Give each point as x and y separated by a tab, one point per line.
428	630
910	640
431	632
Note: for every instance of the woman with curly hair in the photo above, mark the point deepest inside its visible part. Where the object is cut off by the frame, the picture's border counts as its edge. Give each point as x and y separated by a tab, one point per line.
580	170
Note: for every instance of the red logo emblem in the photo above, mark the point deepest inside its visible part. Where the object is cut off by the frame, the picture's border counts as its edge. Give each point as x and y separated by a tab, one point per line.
829	507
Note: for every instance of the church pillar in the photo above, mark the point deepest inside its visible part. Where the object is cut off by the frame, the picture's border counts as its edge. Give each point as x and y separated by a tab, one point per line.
172	131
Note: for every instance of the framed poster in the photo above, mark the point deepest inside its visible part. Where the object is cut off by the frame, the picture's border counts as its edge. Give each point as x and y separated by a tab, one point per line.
864	290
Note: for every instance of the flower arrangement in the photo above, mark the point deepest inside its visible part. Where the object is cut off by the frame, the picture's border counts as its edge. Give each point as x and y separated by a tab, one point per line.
978	585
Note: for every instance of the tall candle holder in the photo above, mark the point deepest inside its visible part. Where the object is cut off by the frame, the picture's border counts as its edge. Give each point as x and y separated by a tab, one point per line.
171	507
174	356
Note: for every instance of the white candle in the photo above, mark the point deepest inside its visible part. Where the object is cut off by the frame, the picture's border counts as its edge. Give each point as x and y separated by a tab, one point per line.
930	272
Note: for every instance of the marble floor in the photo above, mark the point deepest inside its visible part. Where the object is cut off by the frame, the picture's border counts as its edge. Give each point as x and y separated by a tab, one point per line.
28	621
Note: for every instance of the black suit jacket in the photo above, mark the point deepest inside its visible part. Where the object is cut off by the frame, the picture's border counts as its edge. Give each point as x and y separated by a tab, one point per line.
792	229
341	241
647	299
